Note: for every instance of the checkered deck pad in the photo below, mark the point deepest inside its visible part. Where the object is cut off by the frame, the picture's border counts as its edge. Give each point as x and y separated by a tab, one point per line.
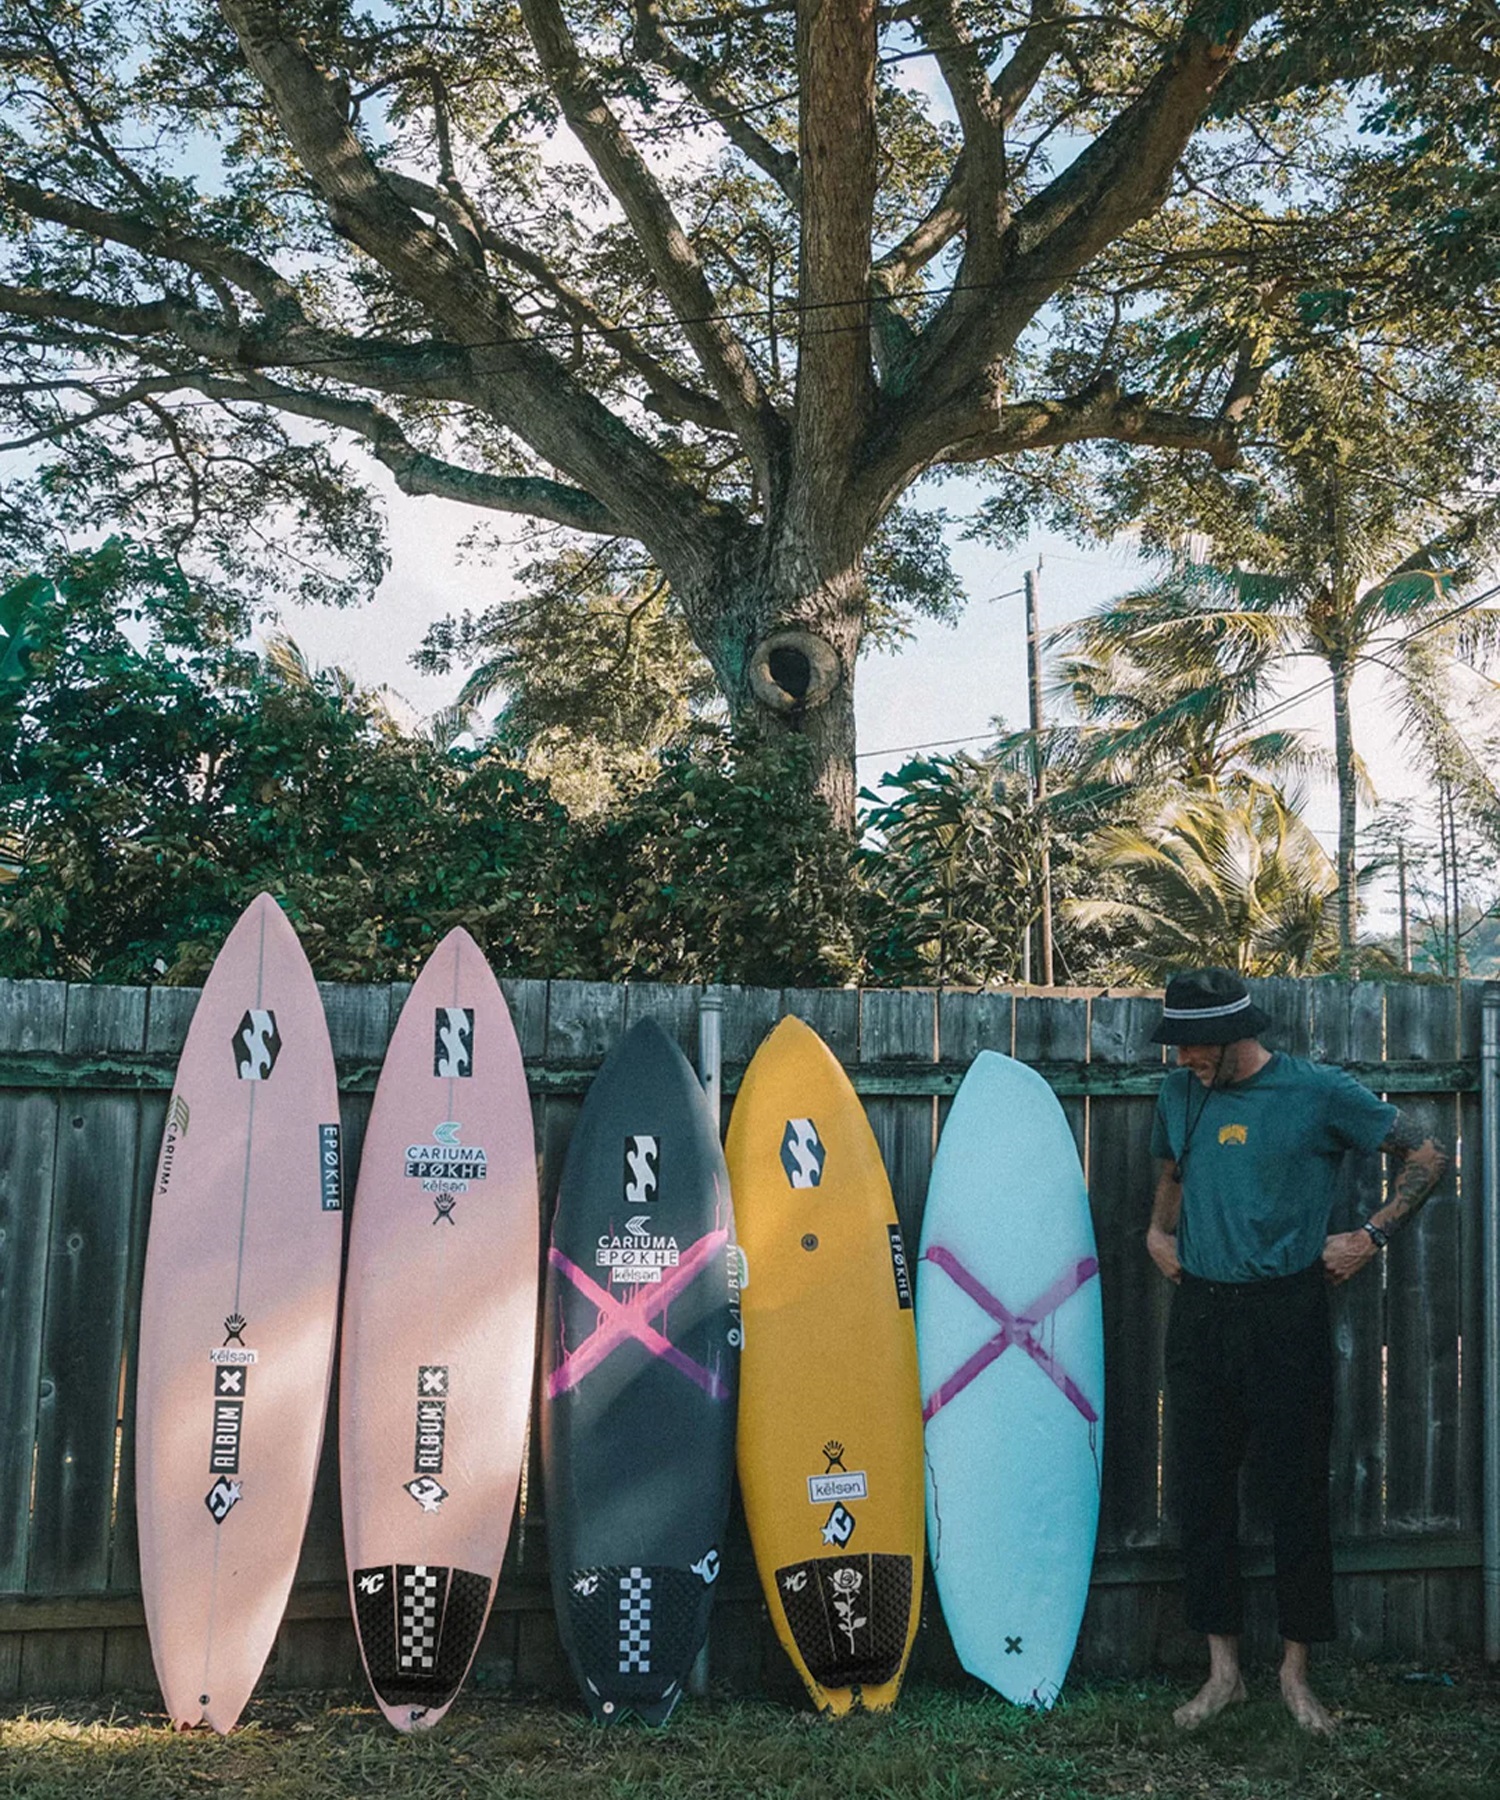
419	1625
636	1629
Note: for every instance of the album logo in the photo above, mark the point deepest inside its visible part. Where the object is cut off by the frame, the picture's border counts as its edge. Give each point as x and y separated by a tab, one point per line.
642	1170
224	1458
802	1154
330	1169
222	1498
432	1419
232	1381
431	1425
453	1042
257	1044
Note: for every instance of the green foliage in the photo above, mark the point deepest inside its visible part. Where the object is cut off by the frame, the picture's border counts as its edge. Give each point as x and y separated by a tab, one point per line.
1237	881
595	673
952	859
153	777
720	870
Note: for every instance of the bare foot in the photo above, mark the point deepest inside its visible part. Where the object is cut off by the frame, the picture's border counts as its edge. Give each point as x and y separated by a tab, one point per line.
1305	1706
1209	1701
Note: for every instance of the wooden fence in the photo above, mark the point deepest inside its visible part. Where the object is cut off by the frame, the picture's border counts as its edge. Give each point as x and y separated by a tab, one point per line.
84	1077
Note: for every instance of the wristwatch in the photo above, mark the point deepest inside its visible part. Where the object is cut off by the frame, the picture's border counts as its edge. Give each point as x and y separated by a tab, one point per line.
1376	1236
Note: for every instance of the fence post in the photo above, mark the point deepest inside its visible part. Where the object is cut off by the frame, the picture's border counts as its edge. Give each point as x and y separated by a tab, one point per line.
1489	1073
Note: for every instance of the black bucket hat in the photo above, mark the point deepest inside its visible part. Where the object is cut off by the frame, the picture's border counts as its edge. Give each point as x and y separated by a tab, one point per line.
1208	1006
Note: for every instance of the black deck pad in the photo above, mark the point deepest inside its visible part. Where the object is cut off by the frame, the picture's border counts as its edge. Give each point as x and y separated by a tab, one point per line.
849	1615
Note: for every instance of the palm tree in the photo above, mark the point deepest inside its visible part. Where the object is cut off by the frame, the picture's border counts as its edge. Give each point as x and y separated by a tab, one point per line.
1239	881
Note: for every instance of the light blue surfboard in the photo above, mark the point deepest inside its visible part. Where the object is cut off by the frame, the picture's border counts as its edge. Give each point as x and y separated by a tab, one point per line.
1010	1343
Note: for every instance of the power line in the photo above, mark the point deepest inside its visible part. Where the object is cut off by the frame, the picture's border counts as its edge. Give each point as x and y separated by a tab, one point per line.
1259	718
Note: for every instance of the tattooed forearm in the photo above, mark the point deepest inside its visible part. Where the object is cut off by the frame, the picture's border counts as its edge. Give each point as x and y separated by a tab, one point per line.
1422	1160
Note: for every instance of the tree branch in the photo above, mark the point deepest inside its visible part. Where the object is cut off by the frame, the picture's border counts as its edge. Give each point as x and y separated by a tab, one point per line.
836	45
699	80
1099	411
956	386
520	383
672	257
205	256
676	398
1467	42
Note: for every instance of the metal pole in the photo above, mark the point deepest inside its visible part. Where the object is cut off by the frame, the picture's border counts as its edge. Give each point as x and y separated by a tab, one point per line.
1405	908
1038	773
711	1074
1489	1076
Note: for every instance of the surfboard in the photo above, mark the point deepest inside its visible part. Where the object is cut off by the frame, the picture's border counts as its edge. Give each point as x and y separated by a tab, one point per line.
640	1371
238	1314
830	1431
439	1341
1011	1342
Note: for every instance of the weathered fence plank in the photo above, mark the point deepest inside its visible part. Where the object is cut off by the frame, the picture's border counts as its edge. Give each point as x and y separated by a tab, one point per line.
1348	1024
33	1017
78	1411
1122	1623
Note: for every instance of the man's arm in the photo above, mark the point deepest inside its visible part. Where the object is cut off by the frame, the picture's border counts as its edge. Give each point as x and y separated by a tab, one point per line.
1161	1233
1420	1163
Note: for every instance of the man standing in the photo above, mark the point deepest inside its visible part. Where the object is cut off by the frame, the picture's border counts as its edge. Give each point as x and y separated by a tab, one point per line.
1250	1142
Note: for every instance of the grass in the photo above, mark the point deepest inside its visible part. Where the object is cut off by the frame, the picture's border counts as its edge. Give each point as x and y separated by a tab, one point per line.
1403	1736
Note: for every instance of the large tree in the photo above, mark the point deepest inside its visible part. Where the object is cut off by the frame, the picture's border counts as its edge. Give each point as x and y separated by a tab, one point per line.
708	277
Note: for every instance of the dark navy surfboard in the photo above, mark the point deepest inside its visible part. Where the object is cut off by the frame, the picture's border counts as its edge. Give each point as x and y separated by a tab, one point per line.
640	1378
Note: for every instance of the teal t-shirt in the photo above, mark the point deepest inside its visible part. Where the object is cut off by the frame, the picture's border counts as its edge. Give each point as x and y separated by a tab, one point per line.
1258	1182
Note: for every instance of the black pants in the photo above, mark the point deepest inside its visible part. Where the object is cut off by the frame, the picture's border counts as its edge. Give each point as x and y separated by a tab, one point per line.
1250	1378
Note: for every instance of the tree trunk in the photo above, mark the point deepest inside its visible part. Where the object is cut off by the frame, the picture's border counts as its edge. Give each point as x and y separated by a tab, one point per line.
781	628
1343	752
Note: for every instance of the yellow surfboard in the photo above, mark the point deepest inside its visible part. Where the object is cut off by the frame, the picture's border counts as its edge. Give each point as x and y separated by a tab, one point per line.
830	1426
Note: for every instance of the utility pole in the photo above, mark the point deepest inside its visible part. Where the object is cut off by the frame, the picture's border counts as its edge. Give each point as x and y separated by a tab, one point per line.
1038	772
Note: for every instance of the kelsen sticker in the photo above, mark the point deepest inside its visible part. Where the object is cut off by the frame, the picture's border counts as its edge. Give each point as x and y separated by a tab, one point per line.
899	1268
330	1170
823	1490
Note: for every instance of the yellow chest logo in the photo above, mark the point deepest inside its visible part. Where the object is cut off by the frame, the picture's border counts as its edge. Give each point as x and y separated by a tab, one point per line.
1231	1134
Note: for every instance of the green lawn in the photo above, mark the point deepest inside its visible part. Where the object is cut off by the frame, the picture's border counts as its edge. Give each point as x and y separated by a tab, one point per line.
1404	1735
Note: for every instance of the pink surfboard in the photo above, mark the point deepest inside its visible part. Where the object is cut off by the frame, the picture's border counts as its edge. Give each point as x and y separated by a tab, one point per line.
439	1337
238	1318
